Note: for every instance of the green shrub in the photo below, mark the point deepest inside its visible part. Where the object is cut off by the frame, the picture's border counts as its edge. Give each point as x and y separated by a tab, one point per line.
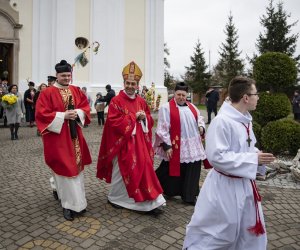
257	133
274	71
281	136
271	107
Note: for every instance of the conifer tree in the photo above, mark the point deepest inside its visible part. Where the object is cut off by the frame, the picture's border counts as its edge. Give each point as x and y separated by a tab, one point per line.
229	64
276	36
197	75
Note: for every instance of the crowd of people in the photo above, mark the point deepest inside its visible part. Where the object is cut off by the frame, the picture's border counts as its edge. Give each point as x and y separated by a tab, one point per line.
228	212
25	106
20	107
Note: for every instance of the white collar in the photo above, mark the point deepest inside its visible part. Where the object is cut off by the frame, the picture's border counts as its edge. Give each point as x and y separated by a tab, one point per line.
57	85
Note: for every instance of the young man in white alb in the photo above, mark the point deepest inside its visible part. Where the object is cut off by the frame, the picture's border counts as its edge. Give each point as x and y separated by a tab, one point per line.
228	213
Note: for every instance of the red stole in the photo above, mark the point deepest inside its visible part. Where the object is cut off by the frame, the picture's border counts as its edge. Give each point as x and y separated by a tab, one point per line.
174	169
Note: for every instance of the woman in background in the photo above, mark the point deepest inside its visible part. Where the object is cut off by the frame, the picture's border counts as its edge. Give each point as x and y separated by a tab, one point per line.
99	106
14	112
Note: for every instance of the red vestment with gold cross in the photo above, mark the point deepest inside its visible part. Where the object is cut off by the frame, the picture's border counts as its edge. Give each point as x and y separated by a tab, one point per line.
134	151
64	155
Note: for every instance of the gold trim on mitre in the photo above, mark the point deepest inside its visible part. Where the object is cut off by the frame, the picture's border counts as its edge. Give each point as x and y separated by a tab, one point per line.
132	72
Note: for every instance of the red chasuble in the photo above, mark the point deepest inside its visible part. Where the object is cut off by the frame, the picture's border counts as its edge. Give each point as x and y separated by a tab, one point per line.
135	153
66	157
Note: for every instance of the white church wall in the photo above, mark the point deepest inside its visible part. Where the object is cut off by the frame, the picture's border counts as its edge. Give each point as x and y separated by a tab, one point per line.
154	48
82	29
126	30
25	36
135	34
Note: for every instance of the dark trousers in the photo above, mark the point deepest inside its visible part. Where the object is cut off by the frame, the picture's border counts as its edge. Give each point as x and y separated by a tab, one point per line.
186	185
297	116
14	130
211	109
1	112
2	115
100	117
30	114
5	121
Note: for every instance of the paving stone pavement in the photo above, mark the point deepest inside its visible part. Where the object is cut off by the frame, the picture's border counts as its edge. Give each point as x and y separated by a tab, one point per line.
31	219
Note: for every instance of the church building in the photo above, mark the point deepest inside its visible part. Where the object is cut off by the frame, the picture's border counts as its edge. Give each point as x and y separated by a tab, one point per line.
37	34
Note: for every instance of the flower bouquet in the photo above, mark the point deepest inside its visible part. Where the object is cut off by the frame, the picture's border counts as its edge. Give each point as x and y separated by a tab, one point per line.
9	101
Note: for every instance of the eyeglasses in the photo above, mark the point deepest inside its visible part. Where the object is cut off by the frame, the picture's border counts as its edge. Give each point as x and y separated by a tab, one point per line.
253	94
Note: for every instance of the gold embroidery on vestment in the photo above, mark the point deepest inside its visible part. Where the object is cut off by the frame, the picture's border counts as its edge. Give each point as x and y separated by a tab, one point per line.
65	94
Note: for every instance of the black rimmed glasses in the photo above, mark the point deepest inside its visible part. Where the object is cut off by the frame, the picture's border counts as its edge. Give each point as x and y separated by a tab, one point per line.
253	94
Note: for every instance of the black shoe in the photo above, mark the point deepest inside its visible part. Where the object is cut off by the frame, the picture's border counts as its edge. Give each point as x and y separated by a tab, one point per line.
114	205
167	197
191	203
79	213
68	214
12	137
16	137
55	195
156	211
82	211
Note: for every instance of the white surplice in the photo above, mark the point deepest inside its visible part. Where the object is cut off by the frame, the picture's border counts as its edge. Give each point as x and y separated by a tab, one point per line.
191	148
71	191
225	207
118	194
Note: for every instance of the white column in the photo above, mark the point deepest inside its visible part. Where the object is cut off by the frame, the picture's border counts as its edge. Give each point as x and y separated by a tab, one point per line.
107	27
36	26
53	35
65	30
154	43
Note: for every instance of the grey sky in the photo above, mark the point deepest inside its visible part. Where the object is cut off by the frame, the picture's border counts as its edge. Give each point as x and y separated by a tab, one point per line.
190	20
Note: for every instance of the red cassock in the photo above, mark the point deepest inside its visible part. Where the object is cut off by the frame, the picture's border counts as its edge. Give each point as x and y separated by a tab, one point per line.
59	149
135	153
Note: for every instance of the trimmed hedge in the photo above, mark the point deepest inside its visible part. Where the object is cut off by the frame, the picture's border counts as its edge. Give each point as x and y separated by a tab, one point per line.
281	136
274	71
257	133
271	107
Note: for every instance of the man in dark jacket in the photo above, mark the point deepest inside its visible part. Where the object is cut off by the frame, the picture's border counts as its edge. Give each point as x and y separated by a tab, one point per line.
28	102
296	105
212	97
51	80
110	94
